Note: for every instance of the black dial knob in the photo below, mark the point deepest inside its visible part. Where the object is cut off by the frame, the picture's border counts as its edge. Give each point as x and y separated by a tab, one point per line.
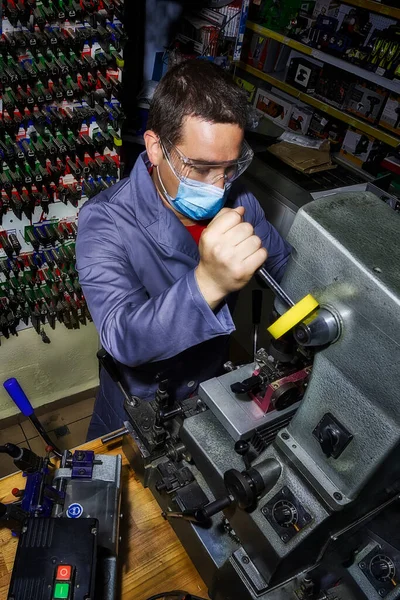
285	513
382	568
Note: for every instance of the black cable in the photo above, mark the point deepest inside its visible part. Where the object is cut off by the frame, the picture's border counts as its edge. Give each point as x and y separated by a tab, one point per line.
178	594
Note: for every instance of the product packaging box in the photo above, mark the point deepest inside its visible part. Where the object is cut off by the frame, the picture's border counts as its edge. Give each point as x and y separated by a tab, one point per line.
366	101
275	108
257	51
248	87
323	128
263	53
334	85
357	146
326	8
303	74
390	118
300	119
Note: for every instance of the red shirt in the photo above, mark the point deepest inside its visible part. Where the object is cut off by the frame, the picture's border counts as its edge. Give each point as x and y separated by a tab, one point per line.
196	230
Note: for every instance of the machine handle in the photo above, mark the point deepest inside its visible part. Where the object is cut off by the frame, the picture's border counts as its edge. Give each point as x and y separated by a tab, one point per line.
18	396
274	286
256	297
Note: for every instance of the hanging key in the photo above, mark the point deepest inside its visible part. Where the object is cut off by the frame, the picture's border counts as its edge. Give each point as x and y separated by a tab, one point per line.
45	337
35	319
15	243
52	315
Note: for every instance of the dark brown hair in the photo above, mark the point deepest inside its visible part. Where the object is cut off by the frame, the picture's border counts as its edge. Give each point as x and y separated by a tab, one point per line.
196	88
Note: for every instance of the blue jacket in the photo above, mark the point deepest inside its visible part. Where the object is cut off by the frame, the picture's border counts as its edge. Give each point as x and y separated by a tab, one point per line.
136	264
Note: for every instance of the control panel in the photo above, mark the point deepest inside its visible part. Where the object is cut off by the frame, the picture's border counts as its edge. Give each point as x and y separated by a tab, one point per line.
55	560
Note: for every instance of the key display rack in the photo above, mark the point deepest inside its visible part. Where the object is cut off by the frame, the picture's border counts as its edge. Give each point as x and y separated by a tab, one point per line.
61	65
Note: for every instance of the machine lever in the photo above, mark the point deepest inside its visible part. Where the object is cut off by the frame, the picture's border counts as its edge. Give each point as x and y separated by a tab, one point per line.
247	385
201	514
18	395
257	297
274	286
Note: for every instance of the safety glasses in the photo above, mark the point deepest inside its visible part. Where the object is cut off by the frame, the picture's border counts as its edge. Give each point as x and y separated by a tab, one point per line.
188	170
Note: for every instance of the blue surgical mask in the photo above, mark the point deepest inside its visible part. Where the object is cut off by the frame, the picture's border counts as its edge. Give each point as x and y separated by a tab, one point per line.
197	201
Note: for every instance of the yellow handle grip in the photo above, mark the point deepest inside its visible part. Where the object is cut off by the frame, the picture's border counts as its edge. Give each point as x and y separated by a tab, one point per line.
293	316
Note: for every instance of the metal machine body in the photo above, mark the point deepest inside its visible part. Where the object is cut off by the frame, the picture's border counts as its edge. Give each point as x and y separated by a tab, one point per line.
309	509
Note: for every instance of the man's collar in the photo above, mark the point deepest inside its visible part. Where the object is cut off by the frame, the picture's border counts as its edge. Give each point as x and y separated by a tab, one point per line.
160	221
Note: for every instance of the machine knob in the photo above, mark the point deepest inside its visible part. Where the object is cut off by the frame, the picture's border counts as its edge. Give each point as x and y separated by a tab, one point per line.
242	447
329	438
382	568
285	513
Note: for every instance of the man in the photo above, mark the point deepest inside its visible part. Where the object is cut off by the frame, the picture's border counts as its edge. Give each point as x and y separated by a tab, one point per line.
160	253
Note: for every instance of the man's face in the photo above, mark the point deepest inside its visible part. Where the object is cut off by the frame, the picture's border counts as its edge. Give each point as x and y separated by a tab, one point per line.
211	143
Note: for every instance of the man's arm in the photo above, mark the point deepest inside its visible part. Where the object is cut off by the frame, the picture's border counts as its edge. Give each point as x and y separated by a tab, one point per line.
134	328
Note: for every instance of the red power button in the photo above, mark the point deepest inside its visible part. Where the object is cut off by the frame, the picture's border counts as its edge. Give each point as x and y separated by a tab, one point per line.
64	572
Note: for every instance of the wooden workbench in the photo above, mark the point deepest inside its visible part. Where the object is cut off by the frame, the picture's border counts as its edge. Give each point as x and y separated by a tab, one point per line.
152	558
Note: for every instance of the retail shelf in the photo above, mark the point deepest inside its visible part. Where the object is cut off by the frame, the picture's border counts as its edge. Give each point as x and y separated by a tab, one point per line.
388	84
378	134
383	9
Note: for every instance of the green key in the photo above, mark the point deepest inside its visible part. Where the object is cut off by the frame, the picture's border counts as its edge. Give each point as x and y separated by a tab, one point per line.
61	590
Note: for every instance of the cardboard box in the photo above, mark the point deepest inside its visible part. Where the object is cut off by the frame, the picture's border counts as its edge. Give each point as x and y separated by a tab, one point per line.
305	160
366	102
390	118
275	108
300	119
248	87
357	146
303	74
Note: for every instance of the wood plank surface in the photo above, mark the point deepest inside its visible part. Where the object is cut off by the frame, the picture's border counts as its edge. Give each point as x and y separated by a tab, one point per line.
152	560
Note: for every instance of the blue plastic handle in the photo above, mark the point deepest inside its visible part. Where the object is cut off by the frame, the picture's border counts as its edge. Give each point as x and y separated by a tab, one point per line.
18	395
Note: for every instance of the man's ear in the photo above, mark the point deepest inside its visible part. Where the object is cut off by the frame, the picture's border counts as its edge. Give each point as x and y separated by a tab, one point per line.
153	147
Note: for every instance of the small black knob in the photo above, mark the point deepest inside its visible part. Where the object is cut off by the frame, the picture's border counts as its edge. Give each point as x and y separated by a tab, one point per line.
242	447
282	516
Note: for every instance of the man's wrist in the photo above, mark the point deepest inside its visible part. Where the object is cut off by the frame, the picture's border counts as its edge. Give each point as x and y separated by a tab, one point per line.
210	291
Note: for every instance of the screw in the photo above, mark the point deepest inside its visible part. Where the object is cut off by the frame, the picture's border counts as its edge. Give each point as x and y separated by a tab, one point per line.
133	401
285	436
362	565
382	592
284	537
377	270
338	496
94	531
245	560
307	517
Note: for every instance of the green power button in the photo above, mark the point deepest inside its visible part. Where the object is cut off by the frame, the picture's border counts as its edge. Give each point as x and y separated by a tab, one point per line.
61	590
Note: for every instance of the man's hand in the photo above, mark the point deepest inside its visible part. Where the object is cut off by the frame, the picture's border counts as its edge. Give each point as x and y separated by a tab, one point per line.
230	254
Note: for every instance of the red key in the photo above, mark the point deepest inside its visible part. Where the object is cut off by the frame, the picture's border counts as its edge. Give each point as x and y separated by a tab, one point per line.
64	572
